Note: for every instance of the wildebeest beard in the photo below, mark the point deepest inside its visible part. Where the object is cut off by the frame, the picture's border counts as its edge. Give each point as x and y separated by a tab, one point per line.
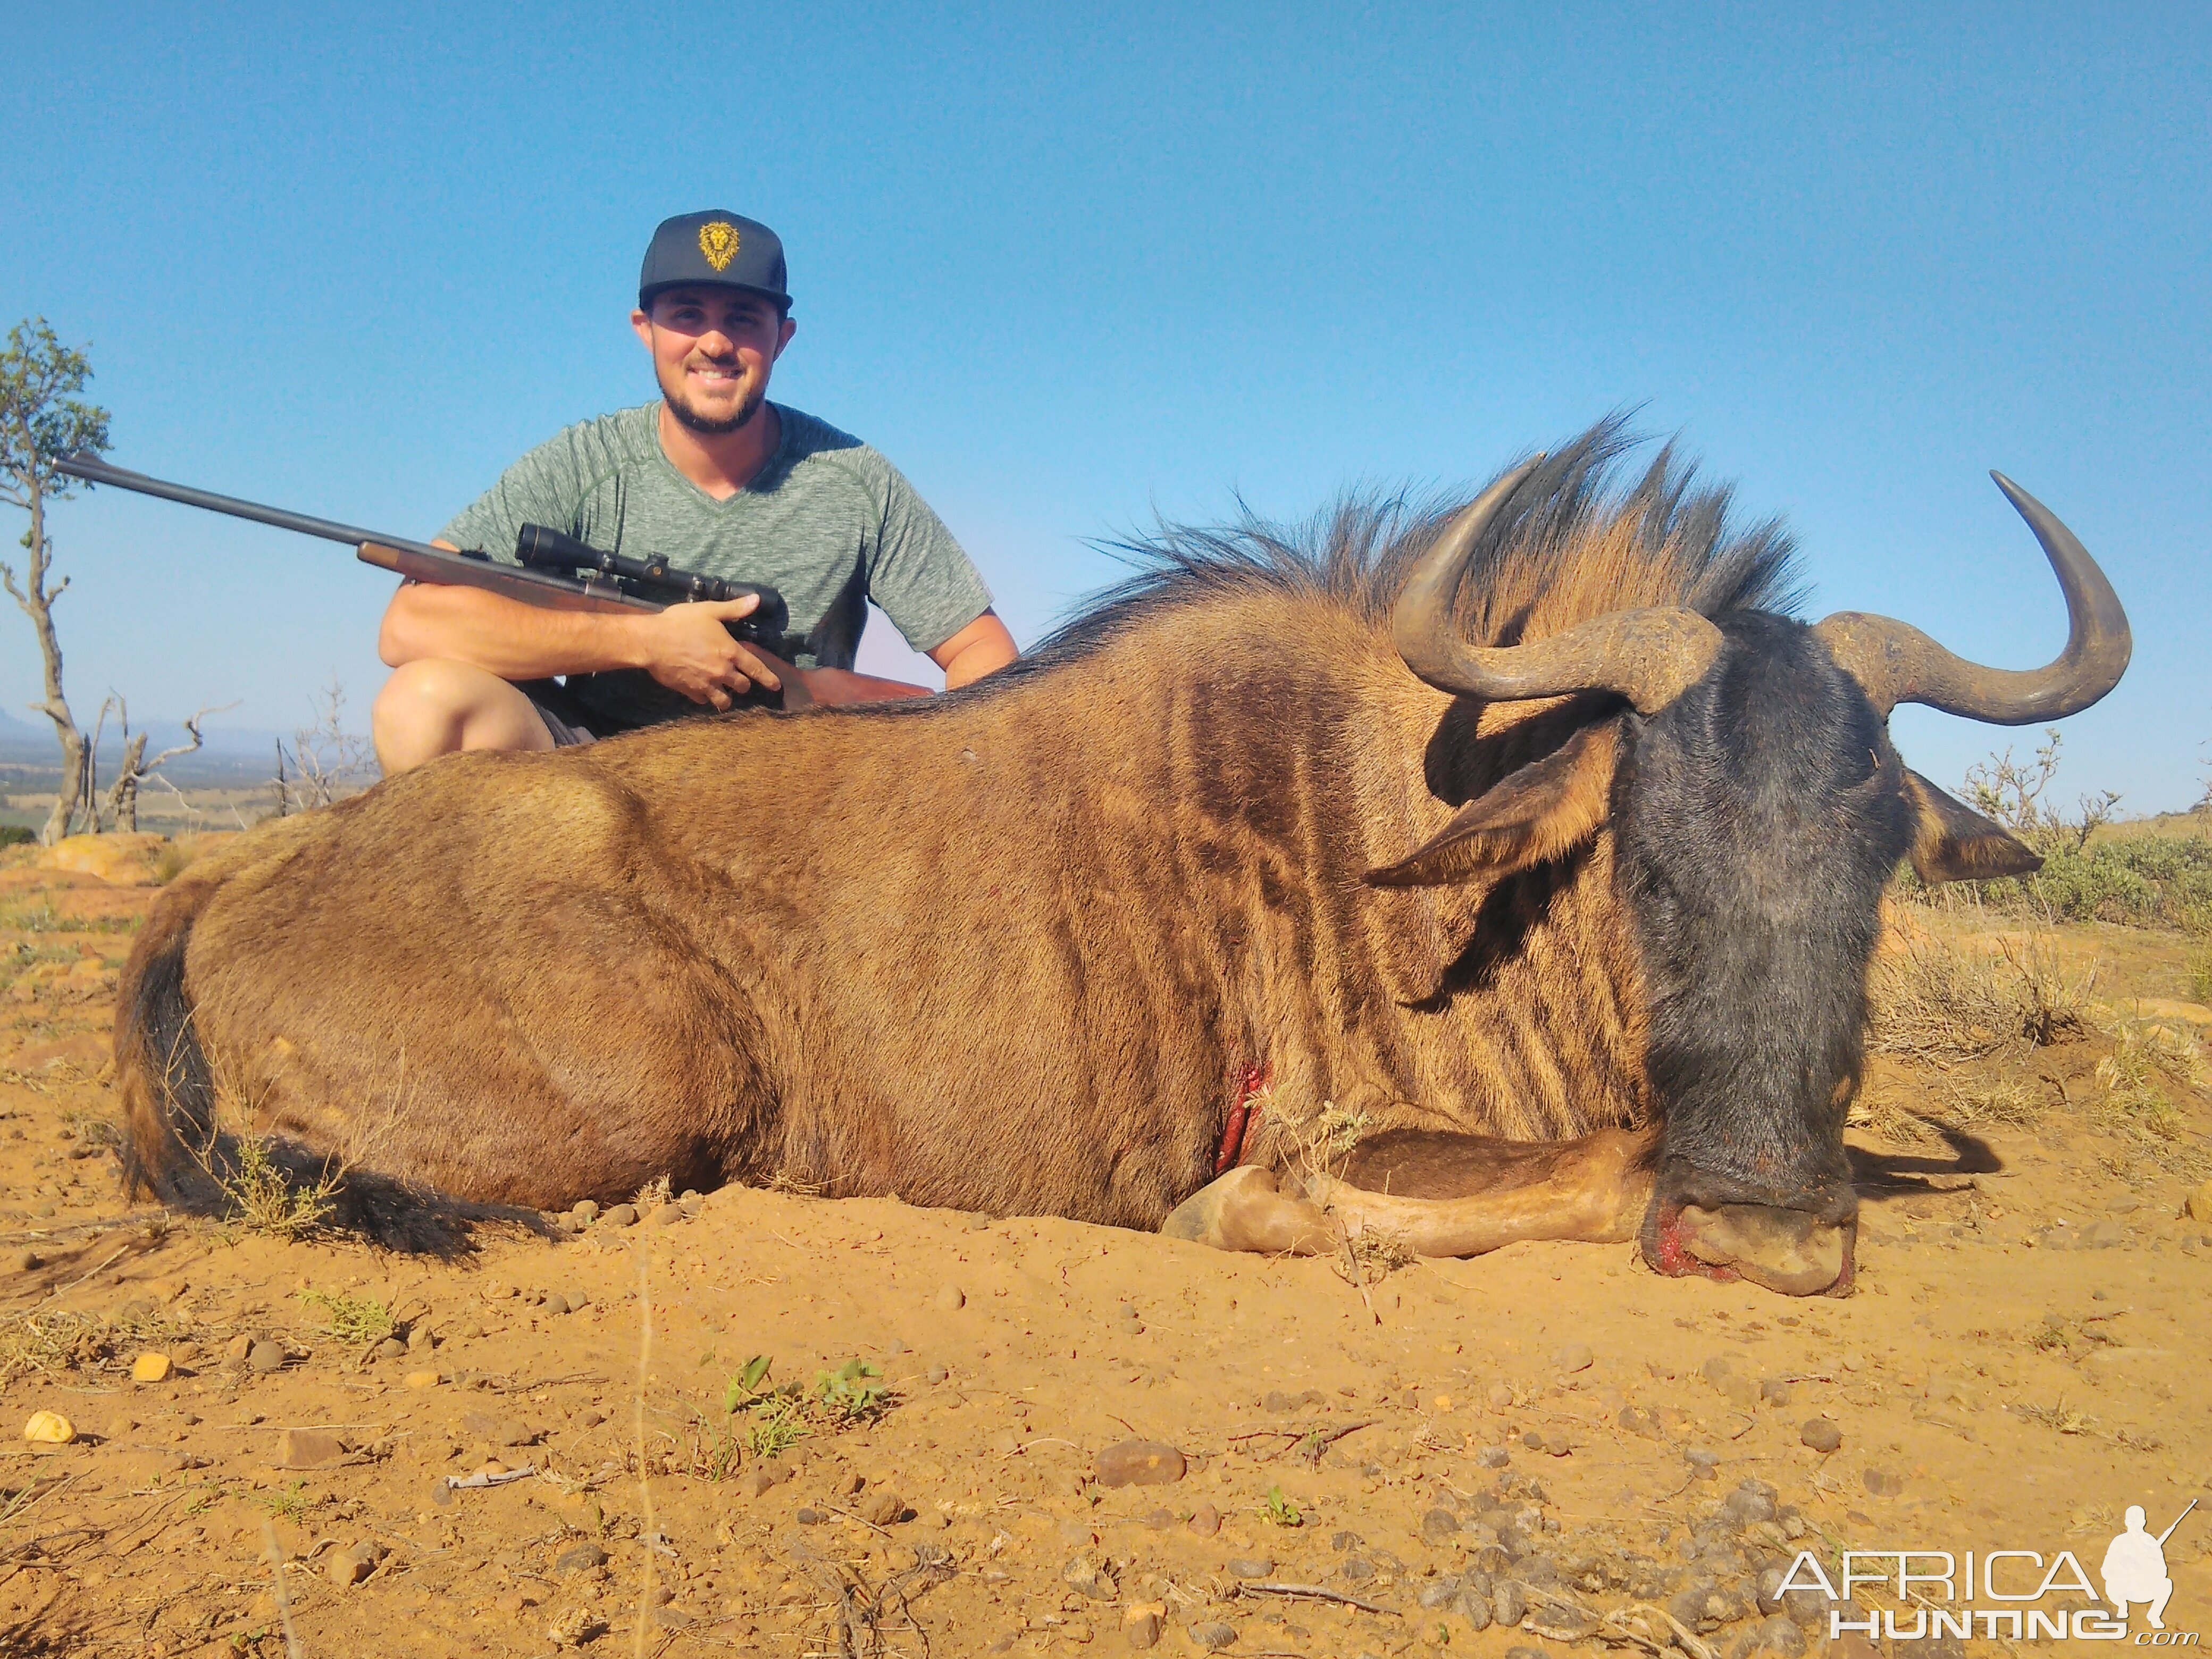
1757	819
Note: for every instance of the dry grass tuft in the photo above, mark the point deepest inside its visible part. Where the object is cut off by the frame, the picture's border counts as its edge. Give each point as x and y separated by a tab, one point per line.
2147	1060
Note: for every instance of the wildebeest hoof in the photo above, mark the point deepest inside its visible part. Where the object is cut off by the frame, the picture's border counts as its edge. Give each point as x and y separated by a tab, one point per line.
1243	1210
1784	1250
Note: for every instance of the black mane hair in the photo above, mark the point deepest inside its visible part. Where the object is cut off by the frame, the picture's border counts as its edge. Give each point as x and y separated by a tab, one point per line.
1575	542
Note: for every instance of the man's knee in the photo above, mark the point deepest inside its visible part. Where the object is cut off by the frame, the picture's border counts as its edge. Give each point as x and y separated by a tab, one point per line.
432	706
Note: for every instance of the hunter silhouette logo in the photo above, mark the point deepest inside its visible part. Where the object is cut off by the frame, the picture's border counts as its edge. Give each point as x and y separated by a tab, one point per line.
2135	1567
718	241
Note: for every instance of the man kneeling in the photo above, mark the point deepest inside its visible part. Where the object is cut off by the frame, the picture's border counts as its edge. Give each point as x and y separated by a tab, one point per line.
716	480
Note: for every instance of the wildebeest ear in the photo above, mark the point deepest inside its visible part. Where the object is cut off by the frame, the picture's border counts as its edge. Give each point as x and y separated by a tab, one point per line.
1954	842
1546	809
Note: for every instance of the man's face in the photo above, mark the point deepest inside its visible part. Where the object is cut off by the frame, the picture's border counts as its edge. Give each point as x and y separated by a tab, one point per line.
712	350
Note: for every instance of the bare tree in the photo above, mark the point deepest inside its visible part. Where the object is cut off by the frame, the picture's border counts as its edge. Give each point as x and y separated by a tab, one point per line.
120	810
2011	792
324	763
42	419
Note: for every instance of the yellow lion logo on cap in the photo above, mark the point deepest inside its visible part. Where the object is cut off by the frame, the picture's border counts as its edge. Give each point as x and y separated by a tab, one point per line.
718	241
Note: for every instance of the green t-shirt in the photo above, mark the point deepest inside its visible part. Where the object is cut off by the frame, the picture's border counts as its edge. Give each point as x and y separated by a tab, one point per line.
828	523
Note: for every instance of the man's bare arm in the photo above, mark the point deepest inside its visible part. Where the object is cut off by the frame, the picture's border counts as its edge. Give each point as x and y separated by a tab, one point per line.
686	646
982	647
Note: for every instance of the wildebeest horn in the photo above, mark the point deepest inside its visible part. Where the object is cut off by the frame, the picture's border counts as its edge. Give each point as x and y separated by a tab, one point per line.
1649	656
1894	662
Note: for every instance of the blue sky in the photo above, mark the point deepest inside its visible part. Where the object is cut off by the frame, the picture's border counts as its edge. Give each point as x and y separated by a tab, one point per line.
1073	267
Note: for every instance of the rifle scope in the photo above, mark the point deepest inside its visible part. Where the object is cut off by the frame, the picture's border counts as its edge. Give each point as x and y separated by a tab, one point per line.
541	549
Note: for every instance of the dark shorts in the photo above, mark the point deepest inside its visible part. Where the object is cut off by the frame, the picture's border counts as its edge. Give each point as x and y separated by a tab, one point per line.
570	723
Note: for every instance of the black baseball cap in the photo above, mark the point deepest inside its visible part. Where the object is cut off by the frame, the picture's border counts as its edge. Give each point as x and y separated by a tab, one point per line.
725	249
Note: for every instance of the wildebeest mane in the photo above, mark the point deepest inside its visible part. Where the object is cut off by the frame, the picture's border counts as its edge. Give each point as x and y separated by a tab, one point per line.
1578	541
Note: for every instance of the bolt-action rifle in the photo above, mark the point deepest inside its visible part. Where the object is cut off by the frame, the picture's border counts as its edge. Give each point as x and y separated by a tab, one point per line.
556	571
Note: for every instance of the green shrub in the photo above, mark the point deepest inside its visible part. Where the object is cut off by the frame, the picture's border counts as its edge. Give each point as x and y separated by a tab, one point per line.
16	835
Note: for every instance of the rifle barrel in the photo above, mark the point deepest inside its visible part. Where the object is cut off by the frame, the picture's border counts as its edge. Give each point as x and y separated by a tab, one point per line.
93	470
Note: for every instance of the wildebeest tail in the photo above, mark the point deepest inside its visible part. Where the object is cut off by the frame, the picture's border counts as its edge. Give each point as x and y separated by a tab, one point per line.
167	1089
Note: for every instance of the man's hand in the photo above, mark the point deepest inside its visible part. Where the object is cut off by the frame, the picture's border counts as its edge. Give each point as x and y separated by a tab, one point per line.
686	649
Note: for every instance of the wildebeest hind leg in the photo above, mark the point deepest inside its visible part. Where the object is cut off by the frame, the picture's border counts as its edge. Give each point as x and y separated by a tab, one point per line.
1437	1194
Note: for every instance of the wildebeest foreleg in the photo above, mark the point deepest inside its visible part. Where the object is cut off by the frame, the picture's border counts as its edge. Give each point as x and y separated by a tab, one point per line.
1437	1194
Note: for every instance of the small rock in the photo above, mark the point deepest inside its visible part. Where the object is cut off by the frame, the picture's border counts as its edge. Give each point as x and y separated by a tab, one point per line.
585	1210
29	1261
421	1380
1473	1607
391	1348
151	1368
309	1448
667	1214
590	1418
2197	1207
1500	1397
1774	1392
419	1339
580	1558
809	1518
349	1567
951	1297
1494	1457
1574	1357
1212	1635
1205	1520
1258	1566
49	1429
1437	1525
882	1509
266	1357
1509	1603
1522	1651
1142	1623
1779	1634
237	1349
1883	1483
1140	1463
1821	1435
623	1215
1090	1576
555	1302
939	1374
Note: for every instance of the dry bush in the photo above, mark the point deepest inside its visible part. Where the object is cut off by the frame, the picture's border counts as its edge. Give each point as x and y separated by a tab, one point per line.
52	1340
261	1196
1935	1004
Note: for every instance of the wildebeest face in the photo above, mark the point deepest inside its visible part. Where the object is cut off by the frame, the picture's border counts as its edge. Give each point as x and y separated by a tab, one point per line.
1758	809
1756	820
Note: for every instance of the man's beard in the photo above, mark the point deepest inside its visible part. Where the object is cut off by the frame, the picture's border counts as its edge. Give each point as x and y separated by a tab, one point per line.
707	426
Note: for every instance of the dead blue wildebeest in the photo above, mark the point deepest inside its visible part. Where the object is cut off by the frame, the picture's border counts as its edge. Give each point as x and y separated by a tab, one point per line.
1531	838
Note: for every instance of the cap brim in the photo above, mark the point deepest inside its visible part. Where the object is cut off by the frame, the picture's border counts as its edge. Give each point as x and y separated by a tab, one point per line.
646	296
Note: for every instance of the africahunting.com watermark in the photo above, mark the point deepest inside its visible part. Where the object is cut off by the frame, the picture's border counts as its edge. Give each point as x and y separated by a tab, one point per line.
2001	1593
